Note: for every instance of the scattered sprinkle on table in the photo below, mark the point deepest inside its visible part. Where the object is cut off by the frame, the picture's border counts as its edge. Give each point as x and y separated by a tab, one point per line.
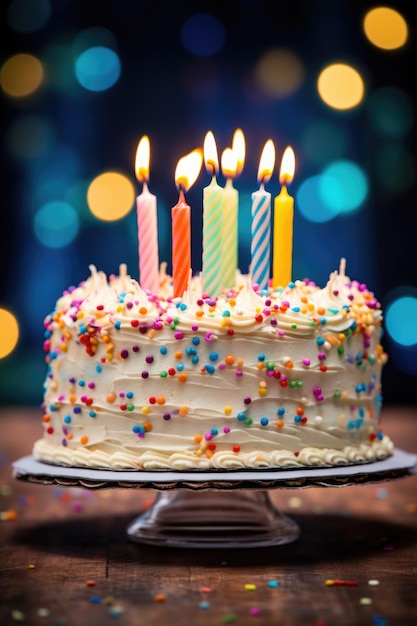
229	618
255	611
115	611
365	601
273	584
160	597
95	599
250	587
90	583
373	582
18	616
204	605
337	582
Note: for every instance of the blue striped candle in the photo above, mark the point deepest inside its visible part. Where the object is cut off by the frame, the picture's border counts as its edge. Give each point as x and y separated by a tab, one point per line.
261	238
261	220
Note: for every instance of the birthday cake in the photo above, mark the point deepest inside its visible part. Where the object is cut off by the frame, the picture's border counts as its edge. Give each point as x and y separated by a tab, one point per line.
276	378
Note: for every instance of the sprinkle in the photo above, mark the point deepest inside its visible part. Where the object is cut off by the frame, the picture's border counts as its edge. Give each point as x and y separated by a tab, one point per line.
18	616
160	597
365	601
274	584
228	618
115	611
250	587
95	599
204	605
373	582
341	583
90	583
255	611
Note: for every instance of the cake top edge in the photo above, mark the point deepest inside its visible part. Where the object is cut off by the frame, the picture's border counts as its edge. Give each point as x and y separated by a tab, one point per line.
342	304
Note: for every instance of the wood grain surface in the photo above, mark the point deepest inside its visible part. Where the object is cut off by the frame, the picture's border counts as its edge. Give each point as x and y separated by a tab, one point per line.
65	558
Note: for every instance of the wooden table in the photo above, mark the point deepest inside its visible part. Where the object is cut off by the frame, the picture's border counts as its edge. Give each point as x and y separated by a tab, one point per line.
65	558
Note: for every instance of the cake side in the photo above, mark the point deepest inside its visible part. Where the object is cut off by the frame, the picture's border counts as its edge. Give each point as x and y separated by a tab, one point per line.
285	378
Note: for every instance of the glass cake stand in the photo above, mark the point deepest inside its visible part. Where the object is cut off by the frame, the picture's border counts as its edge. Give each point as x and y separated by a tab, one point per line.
216	509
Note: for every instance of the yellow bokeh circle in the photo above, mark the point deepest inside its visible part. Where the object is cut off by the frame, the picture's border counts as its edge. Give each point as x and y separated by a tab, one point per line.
9	332
110	196
385	28
279	73
21	75
340	86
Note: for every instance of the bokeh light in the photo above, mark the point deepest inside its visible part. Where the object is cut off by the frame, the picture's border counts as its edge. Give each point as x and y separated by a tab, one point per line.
30	137
56	224
310	200
203	35
279	73
76	195
340	86
385	28
390	112
9	332
52	175
110	196
97	68
93	37
401	318
395	167
344	186
324	141
28	16
21	75
340	189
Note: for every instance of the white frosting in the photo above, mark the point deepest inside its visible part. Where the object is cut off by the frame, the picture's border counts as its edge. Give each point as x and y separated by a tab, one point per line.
140	381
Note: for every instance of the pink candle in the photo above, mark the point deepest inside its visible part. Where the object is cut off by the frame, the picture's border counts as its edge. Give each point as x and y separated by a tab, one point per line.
147	223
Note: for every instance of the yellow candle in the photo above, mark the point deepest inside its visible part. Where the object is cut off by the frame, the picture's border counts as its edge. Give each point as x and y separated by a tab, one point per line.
283	224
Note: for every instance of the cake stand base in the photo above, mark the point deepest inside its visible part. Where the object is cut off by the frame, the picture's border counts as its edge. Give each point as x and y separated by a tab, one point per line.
213	519
216	509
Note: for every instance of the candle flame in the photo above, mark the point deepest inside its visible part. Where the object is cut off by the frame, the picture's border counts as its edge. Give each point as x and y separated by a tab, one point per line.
287	170
188	169
229	163
267	162
239	148
211	158
142	160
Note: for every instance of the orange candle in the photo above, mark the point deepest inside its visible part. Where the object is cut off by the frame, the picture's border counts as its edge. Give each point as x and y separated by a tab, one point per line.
186	173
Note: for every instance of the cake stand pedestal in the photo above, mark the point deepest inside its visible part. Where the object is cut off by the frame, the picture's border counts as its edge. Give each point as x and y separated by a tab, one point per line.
216	509
213	519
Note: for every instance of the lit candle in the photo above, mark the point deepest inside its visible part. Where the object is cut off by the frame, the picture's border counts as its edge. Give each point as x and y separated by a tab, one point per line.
261	220
283	224
186	173
147	222
212	222
232	164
